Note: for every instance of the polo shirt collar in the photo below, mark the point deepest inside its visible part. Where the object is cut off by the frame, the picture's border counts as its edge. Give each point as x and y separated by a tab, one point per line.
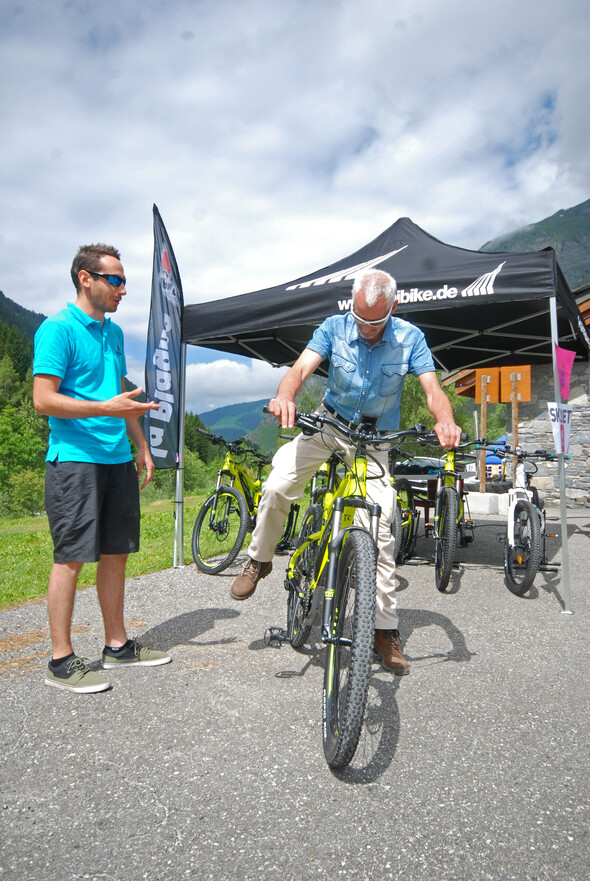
86	319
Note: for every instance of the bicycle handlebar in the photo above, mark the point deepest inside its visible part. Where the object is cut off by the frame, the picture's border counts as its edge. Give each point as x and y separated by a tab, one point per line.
505	451
464	441
364	433
236	447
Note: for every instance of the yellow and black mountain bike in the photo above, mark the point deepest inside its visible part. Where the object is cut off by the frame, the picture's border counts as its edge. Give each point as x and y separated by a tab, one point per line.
330	580
229	513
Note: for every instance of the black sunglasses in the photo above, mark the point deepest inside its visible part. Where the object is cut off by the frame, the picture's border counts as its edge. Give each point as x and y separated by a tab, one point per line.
115	280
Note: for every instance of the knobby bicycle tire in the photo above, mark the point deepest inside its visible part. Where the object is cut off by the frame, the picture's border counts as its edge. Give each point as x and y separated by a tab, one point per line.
220	530
298	599
397	531
348	667
409	520
446	542
522	561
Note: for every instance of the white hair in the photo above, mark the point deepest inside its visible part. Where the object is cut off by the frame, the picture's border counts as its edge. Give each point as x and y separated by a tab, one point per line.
375	285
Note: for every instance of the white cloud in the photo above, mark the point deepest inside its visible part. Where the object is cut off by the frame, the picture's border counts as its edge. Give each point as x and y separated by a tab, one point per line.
228	382
278	137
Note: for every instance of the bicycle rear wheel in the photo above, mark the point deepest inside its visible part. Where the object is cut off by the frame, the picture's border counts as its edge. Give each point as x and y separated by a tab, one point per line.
348	659
397	531
446	541
299	597
409	520
522	561
220	530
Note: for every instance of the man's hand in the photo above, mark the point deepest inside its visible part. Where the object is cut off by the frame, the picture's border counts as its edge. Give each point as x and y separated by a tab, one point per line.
144	460
125	407
283	409
448	434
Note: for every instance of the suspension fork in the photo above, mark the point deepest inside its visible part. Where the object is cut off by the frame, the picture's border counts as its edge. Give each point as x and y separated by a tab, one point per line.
337	538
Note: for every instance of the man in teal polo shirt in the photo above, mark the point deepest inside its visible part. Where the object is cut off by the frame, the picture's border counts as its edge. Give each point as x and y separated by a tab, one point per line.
91	483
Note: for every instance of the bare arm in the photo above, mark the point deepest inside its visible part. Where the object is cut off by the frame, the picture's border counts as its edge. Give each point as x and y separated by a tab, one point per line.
448	433
144	457
283	404
49	401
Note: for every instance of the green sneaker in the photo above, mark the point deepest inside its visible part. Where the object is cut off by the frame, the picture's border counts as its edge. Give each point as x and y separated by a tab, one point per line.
75	675
134	654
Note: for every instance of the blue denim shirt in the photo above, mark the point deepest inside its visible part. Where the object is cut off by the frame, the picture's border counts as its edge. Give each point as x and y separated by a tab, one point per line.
368	379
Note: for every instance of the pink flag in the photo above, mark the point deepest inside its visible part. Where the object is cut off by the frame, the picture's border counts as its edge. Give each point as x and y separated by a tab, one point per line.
565	360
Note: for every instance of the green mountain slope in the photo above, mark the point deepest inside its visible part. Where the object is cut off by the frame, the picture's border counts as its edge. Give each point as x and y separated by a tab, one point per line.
24	320
234	420
567	232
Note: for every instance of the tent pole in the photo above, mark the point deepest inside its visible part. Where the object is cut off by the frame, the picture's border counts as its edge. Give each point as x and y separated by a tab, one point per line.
178	559
561	468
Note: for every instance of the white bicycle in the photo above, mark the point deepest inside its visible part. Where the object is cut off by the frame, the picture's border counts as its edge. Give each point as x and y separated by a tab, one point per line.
524	542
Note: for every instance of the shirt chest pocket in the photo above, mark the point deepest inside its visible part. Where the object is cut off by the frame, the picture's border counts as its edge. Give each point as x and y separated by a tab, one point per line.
392	377
342	371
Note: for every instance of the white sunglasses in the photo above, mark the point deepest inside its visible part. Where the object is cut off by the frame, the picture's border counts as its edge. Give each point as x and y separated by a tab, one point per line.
378	323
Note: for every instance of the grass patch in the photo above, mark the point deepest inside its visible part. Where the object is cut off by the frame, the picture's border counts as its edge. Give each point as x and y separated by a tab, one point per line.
27	550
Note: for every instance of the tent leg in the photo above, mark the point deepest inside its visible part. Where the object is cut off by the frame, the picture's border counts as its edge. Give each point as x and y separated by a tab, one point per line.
565	559
178	559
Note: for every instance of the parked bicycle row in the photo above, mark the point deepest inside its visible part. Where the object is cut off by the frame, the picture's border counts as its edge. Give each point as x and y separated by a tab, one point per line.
229	512
330	578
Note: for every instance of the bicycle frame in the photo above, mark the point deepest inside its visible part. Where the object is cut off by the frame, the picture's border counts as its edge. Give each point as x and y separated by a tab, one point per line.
232	471
450	477
520	490
339	505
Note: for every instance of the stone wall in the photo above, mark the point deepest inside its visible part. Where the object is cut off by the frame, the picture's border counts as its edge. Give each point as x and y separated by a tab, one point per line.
535	433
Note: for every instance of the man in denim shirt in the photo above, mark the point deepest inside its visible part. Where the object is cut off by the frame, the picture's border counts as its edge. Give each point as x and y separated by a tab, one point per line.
370	353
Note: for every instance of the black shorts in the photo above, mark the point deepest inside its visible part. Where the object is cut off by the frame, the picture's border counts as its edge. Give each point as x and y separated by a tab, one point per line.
92	510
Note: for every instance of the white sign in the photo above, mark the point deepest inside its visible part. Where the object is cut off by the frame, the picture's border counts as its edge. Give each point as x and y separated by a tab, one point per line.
561	423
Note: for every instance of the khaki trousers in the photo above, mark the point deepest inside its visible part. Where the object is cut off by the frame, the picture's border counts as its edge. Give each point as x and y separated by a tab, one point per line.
292	467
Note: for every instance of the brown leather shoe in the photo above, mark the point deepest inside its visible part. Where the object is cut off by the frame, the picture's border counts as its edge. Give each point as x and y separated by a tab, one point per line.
245	584
387	644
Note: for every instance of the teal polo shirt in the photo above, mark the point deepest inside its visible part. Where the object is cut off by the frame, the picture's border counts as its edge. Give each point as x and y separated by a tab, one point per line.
89	358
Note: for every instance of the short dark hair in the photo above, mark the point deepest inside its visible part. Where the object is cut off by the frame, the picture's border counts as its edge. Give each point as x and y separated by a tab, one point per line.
89	257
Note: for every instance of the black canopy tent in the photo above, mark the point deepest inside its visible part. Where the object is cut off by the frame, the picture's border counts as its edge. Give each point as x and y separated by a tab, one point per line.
475	308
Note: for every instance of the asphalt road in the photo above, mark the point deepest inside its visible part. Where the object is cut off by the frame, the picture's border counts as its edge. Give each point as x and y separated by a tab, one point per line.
474	767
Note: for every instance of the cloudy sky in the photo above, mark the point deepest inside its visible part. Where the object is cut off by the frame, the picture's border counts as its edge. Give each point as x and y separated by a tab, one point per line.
276	136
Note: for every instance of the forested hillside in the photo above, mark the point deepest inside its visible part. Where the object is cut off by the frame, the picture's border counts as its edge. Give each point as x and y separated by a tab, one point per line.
567	232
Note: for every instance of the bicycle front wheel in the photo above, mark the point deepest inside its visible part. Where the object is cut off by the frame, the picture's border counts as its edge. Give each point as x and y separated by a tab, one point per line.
220	530
349	655
522	560
446	541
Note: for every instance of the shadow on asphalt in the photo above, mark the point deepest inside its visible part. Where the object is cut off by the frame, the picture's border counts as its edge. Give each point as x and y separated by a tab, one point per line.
187	628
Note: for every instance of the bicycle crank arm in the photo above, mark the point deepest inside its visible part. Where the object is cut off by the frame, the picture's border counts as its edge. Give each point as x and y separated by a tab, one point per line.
336	640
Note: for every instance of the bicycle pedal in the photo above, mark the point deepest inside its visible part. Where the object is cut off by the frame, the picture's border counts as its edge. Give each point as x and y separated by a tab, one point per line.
275	637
